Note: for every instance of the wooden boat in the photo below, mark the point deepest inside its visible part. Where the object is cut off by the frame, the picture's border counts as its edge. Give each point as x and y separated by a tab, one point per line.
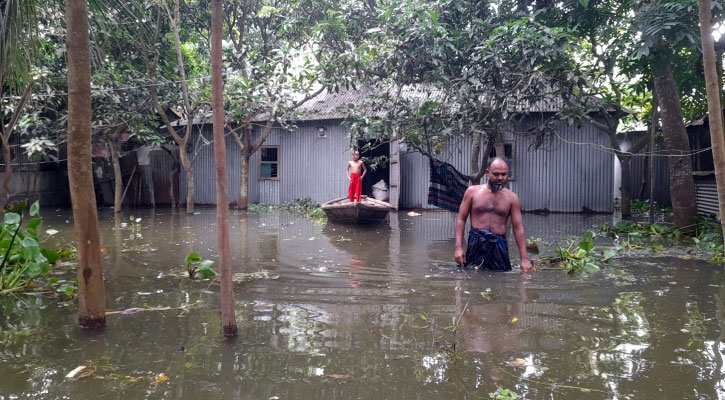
367	211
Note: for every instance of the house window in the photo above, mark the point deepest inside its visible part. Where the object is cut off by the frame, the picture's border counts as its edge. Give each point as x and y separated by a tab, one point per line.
321	132
508	155
269	162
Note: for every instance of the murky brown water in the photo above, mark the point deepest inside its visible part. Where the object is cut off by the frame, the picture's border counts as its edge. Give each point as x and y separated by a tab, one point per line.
344	320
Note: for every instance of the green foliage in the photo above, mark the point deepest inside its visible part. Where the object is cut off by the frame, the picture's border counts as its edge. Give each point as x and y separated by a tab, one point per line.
503	394
579	255
23	260
644	206
706	234
305	206
195	264
135	224
709	237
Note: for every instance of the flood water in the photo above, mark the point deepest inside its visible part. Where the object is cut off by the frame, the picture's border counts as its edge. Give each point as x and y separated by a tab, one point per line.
362	313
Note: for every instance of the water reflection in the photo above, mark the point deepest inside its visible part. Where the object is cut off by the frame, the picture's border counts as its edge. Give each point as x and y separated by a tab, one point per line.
345	318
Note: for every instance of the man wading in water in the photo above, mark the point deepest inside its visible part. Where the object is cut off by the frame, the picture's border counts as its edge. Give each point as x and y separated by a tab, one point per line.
490	206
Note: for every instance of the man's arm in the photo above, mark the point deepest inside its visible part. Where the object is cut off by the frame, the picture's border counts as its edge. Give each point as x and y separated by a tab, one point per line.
519	235
347	171
463	212
364	168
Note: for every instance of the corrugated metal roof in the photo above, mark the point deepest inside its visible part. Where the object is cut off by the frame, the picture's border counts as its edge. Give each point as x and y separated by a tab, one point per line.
367	100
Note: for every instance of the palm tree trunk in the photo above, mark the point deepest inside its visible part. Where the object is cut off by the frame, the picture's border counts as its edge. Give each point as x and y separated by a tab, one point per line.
91	307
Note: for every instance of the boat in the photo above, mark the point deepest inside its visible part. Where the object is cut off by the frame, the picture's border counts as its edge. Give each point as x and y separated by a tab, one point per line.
366	212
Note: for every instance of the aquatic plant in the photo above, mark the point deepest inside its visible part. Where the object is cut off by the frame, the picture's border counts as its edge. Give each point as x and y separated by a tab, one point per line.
643	206
504	394
23	260
195	264
305	206
135	224
578	255
705	233
709	237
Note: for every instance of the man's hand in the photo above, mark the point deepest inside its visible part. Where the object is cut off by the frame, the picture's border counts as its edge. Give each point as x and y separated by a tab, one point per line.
526	265
460	257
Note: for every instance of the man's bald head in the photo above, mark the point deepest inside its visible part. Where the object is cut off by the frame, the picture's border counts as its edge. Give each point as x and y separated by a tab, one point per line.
498	172
497	162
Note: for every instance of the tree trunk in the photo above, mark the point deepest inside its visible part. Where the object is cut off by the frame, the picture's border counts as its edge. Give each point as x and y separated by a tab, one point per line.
490	142
117	177
651	159
91	307
186	164
244	183
229	323
173	176
7	156
626	186
682	184
713	103
475	156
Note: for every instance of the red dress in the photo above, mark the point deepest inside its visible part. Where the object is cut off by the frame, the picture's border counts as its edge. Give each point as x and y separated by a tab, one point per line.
354	192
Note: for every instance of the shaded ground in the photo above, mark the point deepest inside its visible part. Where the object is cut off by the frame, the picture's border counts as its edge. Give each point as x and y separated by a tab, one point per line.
362	313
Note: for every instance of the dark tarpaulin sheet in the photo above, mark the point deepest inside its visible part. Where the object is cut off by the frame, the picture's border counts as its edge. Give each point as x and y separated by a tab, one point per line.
447	186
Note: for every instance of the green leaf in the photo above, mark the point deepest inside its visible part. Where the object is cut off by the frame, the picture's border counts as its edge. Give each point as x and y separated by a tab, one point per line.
34	269
586	245
206	273
591	266
608	254
584	3
206	264
12	218
29	242
51	255
35	209
192	257
34	223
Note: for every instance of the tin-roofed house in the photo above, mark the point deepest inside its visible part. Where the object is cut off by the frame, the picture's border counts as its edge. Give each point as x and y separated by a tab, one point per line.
569	173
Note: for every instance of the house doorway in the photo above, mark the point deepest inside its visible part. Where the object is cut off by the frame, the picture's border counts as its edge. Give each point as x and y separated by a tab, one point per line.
376	156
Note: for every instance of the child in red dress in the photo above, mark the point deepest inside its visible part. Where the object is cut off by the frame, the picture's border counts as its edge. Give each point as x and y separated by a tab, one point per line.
354	167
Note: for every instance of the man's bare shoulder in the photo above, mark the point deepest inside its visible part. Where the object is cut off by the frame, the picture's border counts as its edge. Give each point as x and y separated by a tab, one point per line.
475	189
511	195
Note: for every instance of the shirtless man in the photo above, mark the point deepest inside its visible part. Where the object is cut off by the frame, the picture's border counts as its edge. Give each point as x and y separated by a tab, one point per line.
490	206
353	175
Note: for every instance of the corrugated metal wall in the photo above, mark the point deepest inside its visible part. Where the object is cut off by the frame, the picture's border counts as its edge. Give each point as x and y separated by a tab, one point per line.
162	164
561	177
310	166
640	172
314	166
706	192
